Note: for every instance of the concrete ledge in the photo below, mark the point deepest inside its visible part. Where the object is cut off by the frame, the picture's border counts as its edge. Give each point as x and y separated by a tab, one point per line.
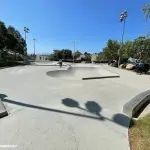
103	77
132	107
3	111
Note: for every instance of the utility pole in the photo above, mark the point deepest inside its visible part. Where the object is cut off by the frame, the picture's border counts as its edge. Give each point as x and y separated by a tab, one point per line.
74	45
123	17
34	40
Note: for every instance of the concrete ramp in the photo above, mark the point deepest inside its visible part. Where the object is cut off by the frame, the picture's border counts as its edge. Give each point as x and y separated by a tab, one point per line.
82	73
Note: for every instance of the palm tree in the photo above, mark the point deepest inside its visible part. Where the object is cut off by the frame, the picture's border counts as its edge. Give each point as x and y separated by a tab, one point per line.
146	10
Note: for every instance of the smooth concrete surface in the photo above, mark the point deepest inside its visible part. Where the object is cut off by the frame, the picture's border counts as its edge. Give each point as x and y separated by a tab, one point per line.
57	114
132	107
3	111
82	72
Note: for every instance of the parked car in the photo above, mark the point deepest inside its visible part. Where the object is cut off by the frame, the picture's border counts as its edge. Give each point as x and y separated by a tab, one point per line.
142	67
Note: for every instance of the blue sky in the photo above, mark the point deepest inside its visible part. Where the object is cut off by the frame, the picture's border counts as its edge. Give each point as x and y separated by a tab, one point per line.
56	23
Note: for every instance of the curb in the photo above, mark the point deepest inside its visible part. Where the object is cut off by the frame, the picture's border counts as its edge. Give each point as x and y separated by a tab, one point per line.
133	107
3	111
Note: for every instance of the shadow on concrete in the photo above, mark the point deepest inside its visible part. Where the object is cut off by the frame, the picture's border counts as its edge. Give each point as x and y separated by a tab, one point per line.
2	96
94	108
45	108
91	106
142	73
71	103
122	120
148	73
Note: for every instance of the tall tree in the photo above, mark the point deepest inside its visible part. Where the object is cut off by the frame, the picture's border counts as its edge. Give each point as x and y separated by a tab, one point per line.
3	35
129	49
101	56
139	46
57	54
77	54
87	56
18	45
11	40
62	54
146	10
111	50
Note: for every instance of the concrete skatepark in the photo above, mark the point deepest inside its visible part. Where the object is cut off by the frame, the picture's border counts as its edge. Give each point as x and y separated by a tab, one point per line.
81	72
47	110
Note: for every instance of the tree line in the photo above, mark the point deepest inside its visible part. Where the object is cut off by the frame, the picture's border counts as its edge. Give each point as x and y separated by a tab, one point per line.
12	44
67	54
138	48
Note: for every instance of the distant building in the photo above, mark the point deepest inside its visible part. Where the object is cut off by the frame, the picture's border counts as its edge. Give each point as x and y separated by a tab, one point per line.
43	57
94	57
81	57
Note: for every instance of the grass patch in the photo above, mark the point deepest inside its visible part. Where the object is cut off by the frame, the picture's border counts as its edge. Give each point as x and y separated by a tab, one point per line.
139	134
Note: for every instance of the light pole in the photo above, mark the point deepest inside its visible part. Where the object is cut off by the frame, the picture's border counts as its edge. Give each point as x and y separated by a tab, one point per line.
123	17
74	45
34	45
26	30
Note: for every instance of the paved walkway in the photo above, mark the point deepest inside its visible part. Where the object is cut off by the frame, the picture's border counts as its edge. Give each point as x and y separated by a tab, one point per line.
58	114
